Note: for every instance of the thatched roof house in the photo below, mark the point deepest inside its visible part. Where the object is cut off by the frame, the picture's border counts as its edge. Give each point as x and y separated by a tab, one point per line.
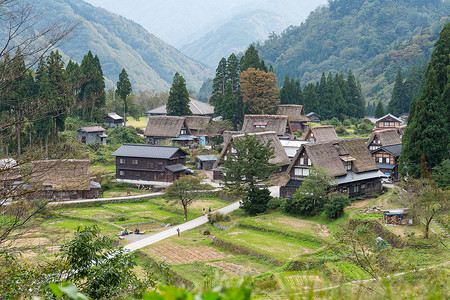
293	111
197	124
321	134
197	108
164	127
61	175
348	160
384	138
260	123
281	159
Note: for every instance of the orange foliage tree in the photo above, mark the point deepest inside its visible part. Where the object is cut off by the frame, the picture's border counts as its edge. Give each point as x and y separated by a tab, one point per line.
259	91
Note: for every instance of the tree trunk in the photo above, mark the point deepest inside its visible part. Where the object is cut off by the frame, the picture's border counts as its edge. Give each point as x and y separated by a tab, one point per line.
427	227
19	144
185	210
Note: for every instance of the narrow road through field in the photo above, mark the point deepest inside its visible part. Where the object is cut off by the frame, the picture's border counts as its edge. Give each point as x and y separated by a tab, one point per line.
173	230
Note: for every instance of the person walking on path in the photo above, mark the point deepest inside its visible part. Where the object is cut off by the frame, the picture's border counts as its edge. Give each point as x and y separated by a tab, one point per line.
178	231
204	211
210	210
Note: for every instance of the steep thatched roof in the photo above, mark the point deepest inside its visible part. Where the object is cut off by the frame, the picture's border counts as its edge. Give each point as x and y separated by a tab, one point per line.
293	111
387	137
321	133
197	122
280	159
329	155
358	149
164	126
61	175
271	122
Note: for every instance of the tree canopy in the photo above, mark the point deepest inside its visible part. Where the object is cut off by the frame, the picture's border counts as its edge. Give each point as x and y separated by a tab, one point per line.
178	102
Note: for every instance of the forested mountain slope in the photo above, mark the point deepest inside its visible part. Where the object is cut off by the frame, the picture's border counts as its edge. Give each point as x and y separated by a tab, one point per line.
120	43
370	37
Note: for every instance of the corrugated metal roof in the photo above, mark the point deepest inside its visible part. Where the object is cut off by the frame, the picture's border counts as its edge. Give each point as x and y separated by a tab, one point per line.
352	176
115	116
176	168
92	129
146	151
386	166
393	149
206	157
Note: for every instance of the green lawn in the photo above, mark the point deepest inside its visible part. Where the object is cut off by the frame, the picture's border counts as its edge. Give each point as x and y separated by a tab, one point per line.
271	245
141	123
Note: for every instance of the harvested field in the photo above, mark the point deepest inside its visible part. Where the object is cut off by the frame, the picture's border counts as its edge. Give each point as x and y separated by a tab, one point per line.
231	268
175	254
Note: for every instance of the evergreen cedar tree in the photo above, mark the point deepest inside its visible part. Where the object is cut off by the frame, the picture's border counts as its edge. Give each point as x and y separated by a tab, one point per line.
379	111
259	91
123	90
427	134
250	164
178	102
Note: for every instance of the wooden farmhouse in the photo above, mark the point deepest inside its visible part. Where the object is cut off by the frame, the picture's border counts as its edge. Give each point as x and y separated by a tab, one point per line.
197	108
113	120
384	138
163	128
280	159
312	116
63	179
149	165
348	160
197	126
386	159
260	123
92	134
297	118
387	122
321	134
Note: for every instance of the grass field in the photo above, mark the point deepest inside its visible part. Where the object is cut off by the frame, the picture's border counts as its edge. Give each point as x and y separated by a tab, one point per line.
141	123
271	245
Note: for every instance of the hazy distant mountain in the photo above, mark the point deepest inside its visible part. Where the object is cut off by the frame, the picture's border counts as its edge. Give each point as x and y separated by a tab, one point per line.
121	43
371	38
211	29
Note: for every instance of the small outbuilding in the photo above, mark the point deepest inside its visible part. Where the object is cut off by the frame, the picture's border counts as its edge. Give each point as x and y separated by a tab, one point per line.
312	116
398	216
205	162
92	134
113	120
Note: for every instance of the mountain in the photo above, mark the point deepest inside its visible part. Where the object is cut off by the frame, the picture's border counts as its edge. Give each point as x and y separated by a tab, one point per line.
121	43
208	30
371	38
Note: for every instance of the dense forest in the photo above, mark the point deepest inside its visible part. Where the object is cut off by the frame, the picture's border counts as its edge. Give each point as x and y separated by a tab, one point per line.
119	43
371	38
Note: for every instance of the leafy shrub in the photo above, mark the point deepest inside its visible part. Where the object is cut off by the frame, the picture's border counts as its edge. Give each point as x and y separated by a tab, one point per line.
256	201
347	122
334	207
341	130
276	203
124	135
218	217
366	126
206	232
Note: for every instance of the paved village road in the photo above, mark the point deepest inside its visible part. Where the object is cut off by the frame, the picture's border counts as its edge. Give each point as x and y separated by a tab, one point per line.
173	230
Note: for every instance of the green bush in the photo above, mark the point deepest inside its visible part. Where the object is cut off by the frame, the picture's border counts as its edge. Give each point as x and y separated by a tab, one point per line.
341	130
256	201
276	203
218	217
334	207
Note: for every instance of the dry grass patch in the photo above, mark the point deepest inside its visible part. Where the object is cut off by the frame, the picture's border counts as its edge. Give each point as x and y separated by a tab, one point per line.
231	268
175	254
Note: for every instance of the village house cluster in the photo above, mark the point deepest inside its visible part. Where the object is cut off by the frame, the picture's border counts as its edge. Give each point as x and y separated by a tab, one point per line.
358	166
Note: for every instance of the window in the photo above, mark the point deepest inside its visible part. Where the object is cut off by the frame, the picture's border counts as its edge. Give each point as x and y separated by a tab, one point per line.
183	131
363	186
388	160
138	174
150	165
302	161
160	175
301	171
380	159
348	165
121	160
309	162
260	126
134	161
122	173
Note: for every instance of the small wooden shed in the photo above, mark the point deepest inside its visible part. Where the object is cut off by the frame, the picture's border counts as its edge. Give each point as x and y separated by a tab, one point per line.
205	162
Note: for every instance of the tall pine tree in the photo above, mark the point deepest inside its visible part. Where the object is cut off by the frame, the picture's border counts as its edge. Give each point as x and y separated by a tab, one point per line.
123	90
178	102
398	99
379	111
